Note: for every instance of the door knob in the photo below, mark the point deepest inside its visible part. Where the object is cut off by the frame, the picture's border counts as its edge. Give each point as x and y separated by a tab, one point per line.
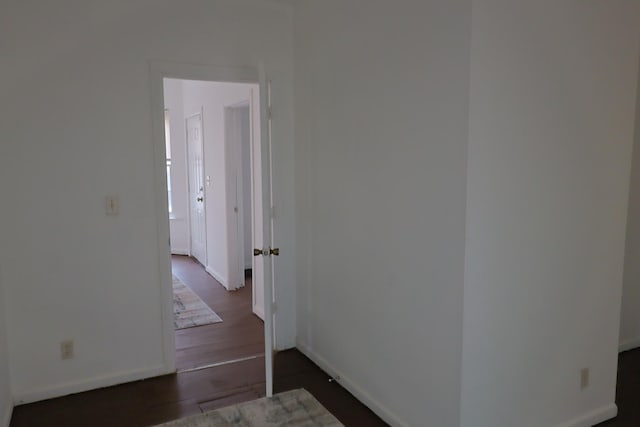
266	252
200	199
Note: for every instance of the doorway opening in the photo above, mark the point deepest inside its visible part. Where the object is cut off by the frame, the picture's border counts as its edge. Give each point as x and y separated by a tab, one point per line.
214	191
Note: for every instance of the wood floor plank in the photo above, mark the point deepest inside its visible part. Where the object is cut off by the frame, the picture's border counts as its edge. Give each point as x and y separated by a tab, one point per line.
240	334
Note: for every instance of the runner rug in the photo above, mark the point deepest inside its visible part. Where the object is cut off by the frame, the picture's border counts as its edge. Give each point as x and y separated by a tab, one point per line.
291	408
188	309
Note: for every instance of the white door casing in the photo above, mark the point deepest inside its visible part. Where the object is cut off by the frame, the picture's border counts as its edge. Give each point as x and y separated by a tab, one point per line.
235	165
195	166
160	70
257	297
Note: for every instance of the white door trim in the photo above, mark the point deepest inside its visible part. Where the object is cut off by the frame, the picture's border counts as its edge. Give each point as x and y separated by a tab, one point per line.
256	147
158	71
235	193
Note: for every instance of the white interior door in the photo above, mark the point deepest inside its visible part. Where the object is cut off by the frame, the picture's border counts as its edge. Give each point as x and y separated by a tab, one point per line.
266	205
257	235
195	151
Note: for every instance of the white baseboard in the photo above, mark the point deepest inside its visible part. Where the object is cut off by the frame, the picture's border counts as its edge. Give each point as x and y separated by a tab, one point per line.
587	420
380	410
180	251
594	417
629	345
217	276
7	416
59	390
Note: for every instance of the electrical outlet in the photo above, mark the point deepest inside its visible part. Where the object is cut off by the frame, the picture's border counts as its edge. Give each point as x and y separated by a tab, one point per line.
66	350
584	378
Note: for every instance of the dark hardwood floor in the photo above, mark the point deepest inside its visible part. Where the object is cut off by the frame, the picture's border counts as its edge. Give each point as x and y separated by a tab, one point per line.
169	397
161	399
239	335
627	391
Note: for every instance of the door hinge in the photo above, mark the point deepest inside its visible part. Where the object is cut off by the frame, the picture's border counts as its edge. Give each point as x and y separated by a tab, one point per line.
269	112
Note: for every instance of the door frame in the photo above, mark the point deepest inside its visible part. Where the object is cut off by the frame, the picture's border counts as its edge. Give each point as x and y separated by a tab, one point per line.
160	70
204	191
234	156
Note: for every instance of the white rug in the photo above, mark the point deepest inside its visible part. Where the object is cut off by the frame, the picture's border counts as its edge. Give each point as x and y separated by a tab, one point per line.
188	309
295	408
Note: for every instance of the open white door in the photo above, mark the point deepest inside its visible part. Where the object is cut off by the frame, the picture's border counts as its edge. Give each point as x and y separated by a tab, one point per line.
264	251
257	212
195	167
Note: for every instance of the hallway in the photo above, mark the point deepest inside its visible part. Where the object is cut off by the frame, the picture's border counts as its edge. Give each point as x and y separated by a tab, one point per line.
239	335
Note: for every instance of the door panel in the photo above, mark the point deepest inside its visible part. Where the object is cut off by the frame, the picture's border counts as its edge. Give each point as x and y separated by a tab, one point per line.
257	213
267	224
196	188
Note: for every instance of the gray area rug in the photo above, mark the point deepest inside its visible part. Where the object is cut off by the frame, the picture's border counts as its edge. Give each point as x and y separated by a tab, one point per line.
188	309
292	408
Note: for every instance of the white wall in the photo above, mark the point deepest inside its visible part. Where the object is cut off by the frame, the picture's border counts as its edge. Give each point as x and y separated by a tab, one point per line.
77	128
630	323
381	128
6	399
179	220
552	103
211	98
